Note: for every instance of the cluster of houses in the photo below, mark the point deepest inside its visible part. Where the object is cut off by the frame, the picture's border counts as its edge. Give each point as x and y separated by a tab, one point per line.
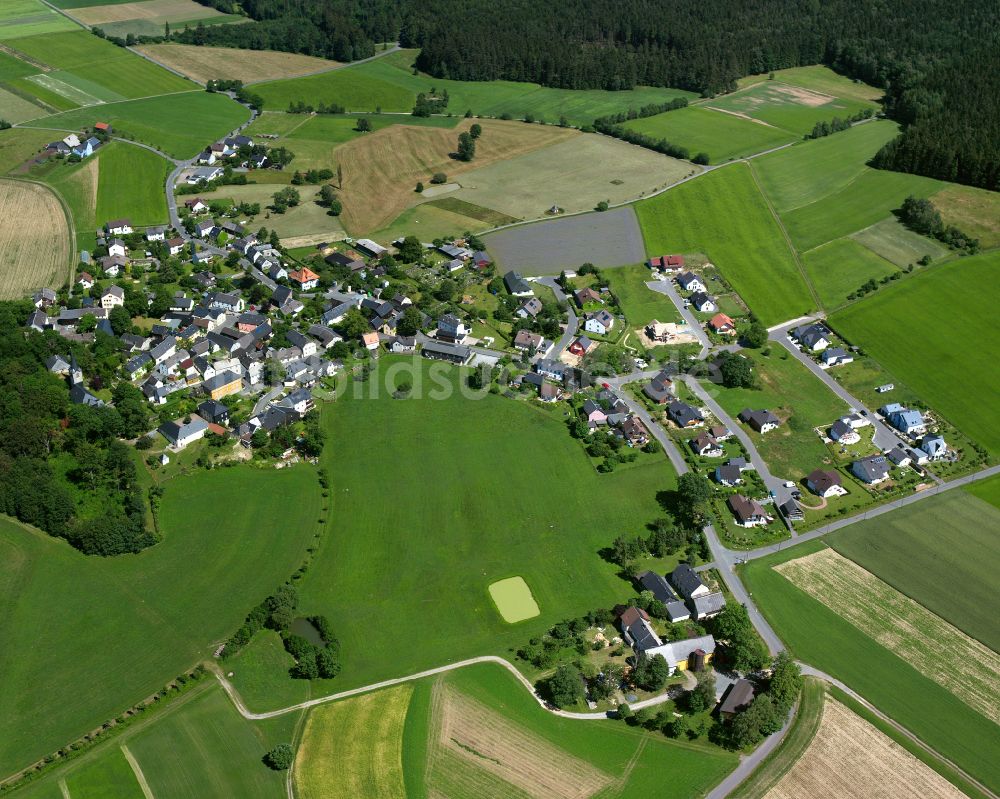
608	410
816	339
699	297
685	597
74	145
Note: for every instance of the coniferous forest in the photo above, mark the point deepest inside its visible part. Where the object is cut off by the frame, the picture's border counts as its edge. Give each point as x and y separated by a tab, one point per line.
938	61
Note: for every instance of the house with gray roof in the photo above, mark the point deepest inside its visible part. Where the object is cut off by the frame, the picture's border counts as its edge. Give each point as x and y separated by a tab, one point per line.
659	587
871	470
517	285
684	415
181	432
762	420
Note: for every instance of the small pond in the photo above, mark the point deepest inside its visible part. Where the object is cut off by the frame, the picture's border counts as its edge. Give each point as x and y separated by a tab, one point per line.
304	627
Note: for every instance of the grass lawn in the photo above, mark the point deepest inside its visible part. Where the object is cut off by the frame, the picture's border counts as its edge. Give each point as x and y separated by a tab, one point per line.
154	120
429	221
388	84
723	136
496	512
260	673
839	267
797	739
130	184
820	637
869	198
894	242
101	62
17	145
640	304
124	626
799	399
207	749
811	170
107	777
954	534
963	378
724	216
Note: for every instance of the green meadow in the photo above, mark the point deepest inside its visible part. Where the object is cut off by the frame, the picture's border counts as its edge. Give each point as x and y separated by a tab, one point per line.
807	172
155	120
896	243
125	626
388	84
108	776
722	136
640	304
20	18
724	216
130	184
482	489
929	331
818	78
954	534
820	637
838	268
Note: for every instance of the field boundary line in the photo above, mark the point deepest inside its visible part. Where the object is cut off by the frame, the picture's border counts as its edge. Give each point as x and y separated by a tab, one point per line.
788	239
137	771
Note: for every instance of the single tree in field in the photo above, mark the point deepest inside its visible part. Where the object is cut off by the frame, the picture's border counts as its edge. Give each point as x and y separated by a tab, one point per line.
363	126
565	686
466	147
476	130
280	758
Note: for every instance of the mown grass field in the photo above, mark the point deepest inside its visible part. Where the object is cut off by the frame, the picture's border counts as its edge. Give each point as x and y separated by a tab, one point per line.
791	108
820	637
35	255
260	673
896	243
818	78
108	775
872	196
305	219
100	62
14	108
206	749
953	534
722	136
19	18
955	372
131	185
987	490
209	63
724	215
574	175
17	145
125	626
154	121
799	399
974	211
838	268
388	84
470	535
799	175
77	185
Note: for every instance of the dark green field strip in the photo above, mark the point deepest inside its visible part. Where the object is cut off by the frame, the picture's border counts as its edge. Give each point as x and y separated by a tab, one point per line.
473	211
818	636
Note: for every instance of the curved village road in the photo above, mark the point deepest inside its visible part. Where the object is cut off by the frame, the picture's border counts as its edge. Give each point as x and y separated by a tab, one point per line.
572	320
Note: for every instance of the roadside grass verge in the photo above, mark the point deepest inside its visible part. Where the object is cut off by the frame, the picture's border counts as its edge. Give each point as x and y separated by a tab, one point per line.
818	636
963	375
724	216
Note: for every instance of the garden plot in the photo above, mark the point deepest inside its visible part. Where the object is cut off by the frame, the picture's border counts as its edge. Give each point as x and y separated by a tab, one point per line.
850	758
946	655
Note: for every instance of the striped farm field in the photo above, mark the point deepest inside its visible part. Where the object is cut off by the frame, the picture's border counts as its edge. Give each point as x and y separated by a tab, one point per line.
354	748
896	243
896	621
36	254
207	63
15	108
839	267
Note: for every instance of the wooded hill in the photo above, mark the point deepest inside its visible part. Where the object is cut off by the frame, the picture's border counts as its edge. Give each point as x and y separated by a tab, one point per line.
937	60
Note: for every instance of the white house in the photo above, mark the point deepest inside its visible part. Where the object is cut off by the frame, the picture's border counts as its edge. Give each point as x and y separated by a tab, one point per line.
689	281
181	432
825	483
600	322
703	302
114	297
118	227
117	247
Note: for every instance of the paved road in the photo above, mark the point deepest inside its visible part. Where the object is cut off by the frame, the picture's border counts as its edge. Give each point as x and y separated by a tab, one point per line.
572	320
885	437
667	287
265	400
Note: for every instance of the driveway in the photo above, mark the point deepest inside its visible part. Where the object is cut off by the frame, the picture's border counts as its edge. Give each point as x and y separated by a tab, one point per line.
572	320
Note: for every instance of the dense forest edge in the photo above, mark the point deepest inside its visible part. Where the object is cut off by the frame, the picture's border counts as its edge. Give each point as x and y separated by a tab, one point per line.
938	62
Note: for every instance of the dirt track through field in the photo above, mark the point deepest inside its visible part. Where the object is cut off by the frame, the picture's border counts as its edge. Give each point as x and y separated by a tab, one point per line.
35	255
381	169
485	739
958	663
851	759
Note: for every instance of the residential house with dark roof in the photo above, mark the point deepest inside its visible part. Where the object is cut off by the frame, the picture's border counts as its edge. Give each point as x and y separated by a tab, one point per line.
762	421
660	389
871	470
684	415
703	303
748	512
441	351
658	586
517	285
689	281
825	483
737	698
707	446
728	475
600	322
813	337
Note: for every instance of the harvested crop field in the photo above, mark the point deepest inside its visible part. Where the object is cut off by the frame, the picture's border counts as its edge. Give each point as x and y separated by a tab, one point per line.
574	175
34	255
612	238
147	9
851	759
207	63
498	749
354	748
382	168
927	642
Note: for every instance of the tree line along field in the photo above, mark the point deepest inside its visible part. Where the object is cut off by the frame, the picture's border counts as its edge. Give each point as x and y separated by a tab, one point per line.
955	373
154	120
495	513
723	215
477	732
35	254
819	636
125	626
388	84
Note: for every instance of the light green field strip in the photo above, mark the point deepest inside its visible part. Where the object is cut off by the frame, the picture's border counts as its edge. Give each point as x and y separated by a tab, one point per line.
513	599
63	89
16	109
890	239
